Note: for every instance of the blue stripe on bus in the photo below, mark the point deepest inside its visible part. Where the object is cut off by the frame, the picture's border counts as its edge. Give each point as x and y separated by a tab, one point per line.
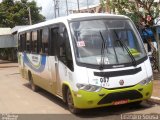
29	64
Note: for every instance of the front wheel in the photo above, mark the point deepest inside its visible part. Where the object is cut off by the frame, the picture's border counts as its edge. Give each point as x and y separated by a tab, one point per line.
70	103
137	103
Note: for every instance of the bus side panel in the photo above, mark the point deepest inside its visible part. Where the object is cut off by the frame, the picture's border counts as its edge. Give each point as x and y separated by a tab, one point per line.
38	66
52	69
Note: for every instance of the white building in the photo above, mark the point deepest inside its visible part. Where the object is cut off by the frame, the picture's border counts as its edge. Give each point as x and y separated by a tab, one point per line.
6	38
9	43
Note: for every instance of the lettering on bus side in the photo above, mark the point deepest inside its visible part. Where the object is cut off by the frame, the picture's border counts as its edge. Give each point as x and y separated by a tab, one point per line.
34	58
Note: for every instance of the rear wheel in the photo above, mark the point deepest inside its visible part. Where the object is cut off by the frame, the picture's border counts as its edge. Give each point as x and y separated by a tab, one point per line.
70	103
33	86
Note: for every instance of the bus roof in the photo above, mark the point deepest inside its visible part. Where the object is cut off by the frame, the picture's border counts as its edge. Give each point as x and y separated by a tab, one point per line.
71	17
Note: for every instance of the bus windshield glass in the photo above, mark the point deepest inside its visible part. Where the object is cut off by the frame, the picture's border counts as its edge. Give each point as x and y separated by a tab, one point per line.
107	42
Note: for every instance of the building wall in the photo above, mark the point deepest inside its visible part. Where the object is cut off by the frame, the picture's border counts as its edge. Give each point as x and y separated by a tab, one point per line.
7	41
15	39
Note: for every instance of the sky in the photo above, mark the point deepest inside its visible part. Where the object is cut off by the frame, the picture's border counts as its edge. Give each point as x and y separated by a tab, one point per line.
48	6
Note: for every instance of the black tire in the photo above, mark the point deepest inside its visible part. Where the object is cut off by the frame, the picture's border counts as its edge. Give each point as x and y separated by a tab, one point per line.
70	103
33	86
137	103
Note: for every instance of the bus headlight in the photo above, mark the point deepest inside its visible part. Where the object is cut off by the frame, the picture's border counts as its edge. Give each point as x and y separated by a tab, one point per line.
146	81
90	88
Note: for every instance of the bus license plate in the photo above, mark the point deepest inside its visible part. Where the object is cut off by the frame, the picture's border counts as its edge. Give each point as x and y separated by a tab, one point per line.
120	102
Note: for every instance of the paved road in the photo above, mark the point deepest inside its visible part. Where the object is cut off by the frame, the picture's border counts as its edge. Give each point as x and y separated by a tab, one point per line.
17	97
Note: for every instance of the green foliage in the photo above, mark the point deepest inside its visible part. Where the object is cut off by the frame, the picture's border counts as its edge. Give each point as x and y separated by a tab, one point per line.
16	13
132	9
102	2
125	7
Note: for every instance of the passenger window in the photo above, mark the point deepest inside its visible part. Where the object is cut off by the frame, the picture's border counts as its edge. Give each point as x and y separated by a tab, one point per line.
22	42
60	45
28	40
19	43
53	41
39	41
64	48
34	41
45	37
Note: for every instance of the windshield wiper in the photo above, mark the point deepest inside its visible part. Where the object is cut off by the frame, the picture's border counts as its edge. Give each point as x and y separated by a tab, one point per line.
102	52
127	49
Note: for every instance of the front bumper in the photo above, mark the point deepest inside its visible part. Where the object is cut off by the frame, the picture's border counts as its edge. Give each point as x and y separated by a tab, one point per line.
84	99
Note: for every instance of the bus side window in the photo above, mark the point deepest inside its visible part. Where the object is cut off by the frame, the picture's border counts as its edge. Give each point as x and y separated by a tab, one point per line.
65	54
60	45
45	39
27	42
22	42
19	43
34	41
53	41
39	41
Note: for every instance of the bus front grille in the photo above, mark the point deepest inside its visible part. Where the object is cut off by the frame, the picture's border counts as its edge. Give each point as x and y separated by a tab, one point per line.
117	96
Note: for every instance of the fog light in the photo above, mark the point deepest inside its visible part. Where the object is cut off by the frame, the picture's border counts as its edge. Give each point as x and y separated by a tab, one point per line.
140	89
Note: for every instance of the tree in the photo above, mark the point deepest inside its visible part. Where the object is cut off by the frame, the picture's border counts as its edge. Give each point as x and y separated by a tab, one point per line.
138	10
16	13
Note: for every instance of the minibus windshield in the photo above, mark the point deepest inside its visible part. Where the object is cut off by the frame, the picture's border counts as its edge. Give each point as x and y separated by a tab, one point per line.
99	39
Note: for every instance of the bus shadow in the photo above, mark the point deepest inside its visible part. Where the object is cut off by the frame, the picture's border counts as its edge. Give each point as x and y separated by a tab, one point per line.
49	96
98	112
115	110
